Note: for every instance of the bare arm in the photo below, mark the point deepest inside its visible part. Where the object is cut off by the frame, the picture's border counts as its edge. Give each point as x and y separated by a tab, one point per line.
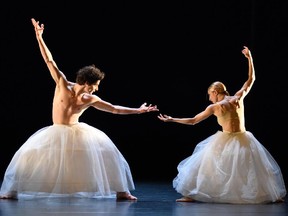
117	109
190	121
102	105
251	74
46	54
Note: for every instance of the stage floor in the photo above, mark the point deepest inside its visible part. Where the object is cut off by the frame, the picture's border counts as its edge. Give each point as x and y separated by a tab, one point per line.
154	198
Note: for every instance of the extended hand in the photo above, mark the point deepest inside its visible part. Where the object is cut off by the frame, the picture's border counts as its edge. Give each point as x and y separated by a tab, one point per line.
150	108
164	118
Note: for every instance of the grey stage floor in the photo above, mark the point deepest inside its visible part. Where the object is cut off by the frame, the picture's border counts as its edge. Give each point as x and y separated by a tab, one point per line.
154	198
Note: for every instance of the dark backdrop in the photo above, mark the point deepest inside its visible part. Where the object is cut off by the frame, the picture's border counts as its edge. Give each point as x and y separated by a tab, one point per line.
160	52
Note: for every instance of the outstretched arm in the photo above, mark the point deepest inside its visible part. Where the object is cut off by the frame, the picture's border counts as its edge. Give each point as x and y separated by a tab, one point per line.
117	109
190	121
46	54
251	74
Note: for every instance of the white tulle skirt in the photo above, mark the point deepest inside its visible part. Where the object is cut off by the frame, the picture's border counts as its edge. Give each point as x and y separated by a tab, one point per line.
230	168
61	160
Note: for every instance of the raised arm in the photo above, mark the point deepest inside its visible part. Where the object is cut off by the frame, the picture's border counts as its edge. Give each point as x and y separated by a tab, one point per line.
251	74
46	54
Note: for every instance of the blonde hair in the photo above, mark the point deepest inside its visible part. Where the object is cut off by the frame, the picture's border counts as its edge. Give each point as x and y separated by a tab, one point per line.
219	87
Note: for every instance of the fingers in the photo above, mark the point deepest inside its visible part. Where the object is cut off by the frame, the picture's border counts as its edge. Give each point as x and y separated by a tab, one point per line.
245	50
37	25
162	117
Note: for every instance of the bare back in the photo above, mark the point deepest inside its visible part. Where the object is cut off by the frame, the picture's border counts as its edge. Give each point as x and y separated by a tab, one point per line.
230	115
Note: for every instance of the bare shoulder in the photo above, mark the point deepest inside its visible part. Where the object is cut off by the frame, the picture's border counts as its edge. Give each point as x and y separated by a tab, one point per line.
222	106
90	98
213	108
230	102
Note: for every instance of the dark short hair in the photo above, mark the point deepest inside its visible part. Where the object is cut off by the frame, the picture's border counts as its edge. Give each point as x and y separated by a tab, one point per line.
89	74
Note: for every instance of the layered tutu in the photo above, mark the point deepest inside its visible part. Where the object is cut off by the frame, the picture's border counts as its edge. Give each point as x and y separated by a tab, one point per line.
61	160
230	168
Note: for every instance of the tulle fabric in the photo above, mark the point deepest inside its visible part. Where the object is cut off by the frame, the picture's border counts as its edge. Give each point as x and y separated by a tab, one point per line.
61	160
230	168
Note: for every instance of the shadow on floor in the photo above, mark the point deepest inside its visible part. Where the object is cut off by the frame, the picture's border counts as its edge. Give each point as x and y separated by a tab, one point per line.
154	199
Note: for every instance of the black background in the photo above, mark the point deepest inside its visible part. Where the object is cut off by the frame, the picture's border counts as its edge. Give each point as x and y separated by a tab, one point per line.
160	52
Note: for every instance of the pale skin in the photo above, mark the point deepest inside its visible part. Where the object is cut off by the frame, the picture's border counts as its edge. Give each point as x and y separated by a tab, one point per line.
72	99
221	105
